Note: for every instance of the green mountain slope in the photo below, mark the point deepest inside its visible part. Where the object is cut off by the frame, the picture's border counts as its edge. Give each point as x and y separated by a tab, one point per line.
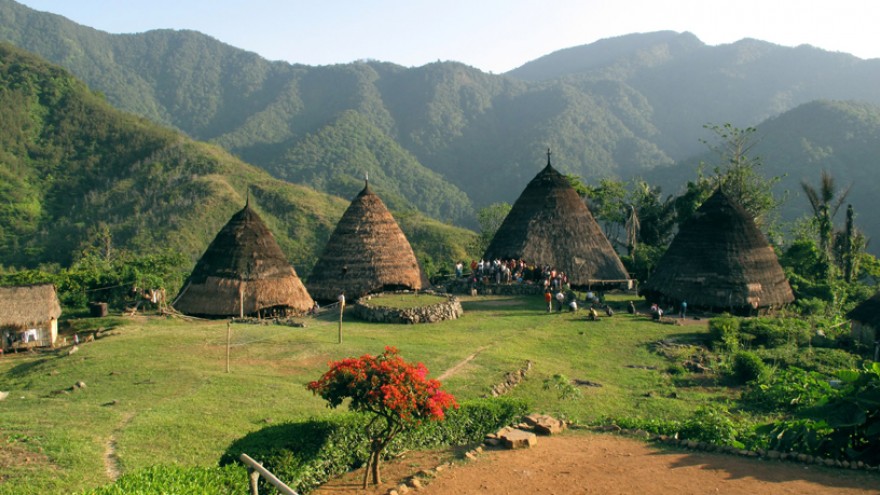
842	137
618	107
72	166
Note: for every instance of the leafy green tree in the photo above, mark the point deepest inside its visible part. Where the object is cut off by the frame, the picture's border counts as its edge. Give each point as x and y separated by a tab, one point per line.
490	219
738	171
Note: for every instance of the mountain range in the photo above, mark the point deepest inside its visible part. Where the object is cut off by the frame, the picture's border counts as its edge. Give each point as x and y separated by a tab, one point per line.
447	139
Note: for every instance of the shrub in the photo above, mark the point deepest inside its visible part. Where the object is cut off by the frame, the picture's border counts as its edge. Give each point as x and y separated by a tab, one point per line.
789	389
724	333
774	332
747	366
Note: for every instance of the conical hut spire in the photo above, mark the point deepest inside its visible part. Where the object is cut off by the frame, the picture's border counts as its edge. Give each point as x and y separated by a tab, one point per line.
242	272
367	253
720	260
550	225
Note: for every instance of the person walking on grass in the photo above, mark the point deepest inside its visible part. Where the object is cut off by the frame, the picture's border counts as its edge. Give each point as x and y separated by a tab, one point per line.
548	298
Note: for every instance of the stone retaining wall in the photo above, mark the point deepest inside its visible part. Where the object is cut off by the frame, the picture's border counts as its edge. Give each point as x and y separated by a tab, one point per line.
463	286
369	308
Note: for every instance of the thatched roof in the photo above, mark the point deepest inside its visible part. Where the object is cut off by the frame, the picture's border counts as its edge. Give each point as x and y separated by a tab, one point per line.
868	312
242	267
28	305
366	253
721	260
551	225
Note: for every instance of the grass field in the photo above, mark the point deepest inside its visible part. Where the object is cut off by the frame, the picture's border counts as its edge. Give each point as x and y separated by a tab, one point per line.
157	390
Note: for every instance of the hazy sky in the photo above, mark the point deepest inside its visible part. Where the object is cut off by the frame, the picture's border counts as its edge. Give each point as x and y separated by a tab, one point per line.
492	35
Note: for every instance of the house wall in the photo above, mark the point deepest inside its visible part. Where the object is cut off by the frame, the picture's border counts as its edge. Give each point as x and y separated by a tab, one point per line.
864	334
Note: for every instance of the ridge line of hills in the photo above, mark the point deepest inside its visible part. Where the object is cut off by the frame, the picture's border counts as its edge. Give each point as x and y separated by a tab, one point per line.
446	139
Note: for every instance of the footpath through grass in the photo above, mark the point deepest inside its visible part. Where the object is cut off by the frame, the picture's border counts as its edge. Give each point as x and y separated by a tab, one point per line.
157	391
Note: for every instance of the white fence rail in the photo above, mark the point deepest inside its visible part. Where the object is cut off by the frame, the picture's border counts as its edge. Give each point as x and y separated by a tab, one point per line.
255	470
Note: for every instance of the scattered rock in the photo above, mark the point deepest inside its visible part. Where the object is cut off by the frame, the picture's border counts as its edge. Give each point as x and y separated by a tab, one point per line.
543	424
72	350
415	483
471	456
519	439
80	384
4	395
401	488
585	383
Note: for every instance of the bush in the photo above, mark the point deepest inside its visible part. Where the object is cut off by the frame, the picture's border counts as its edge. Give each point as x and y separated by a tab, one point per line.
787	390
747	367
774	332
724	333
305	455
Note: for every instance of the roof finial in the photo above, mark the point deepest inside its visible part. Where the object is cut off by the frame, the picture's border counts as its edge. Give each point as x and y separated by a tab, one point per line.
548	156
366	178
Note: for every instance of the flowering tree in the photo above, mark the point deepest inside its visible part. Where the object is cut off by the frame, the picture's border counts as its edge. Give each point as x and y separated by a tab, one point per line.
398	395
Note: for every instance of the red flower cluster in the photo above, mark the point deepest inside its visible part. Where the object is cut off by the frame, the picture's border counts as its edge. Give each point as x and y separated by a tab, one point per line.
385	385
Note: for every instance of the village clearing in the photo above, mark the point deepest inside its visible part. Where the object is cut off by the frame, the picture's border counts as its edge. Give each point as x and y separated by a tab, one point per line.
156	389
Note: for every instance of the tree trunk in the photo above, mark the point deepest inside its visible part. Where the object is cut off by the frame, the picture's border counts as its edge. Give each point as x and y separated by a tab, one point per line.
375	467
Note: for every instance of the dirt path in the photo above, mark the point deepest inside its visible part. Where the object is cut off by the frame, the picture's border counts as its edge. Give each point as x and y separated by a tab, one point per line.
111	460
455	369
580	463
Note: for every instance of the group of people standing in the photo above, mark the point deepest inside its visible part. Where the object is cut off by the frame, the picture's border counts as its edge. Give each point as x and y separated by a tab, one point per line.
512	271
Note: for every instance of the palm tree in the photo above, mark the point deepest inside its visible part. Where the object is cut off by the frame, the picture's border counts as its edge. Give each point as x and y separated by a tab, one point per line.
825	202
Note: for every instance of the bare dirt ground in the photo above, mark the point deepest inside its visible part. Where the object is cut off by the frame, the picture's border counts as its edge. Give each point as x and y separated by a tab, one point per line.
591	463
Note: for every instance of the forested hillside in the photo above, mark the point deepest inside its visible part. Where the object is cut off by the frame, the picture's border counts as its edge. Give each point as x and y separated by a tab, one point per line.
75	173
446	138
839	137
618	107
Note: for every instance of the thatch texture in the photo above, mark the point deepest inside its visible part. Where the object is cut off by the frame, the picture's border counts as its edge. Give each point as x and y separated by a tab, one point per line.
367	253
868	312
243	269
720	260
551	225
28	306
866	321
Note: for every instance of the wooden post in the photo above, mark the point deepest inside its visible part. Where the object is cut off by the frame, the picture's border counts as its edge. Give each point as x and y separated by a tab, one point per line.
341	307
254	480
228	342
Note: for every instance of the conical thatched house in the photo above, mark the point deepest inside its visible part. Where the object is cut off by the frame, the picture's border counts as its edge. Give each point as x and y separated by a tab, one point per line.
720	261
551	225
367	253
243	272
29	316
866	321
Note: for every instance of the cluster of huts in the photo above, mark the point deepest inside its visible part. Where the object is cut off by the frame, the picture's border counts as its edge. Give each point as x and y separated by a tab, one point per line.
719	261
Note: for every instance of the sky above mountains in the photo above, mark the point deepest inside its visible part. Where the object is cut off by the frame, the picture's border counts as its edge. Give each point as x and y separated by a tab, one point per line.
491	35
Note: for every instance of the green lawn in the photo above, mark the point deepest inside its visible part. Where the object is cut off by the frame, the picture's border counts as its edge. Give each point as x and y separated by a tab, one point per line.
158	387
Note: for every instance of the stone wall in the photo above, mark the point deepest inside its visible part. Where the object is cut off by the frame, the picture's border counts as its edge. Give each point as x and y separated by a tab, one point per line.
369	308
463	286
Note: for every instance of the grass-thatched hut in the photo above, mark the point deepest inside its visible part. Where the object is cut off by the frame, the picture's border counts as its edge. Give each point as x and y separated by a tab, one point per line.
720	261
866	321
29	316
367	253
243	272
551	225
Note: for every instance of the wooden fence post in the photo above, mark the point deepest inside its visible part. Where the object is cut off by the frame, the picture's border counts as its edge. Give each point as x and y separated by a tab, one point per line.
254	480
228	343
